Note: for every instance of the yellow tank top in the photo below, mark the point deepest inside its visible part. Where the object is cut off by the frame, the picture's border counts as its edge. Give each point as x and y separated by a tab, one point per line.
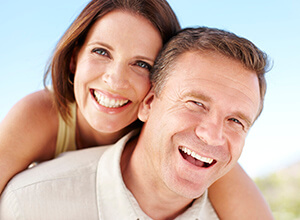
66	132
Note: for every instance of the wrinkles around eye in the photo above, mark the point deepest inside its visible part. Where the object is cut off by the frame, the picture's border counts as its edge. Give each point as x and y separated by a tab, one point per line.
238	122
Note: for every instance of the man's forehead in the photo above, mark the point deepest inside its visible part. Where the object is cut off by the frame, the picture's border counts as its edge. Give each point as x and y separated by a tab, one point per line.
210	65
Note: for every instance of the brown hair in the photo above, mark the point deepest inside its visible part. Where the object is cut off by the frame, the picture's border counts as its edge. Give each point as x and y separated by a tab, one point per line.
158	12
210	39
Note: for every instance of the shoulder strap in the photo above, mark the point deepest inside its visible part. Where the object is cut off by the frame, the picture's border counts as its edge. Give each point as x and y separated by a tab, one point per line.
66	132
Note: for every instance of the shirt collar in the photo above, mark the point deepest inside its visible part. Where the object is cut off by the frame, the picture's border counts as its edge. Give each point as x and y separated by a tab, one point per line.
115	201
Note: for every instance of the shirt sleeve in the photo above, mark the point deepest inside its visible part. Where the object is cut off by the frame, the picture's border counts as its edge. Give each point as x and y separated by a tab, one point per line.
9	208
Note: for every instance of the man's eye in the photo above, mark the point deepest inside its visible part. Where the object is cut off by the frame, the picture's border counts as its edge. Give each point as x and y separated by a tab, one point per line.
236	121
199	104
195	106
100	51
144	65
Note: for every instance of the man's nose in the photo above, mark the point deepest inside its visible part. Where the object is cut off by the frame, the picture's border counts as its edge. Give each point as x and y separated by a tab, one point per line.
210	131
116	76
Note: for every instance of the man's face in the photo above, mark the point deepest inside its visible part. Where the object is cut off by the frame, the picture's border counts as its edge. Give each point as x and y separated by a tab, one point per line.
195	130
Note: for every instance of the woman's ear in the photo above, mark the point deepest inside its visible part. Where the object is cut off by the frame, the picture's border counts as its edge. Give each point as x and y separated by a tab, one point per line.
73	60
146	106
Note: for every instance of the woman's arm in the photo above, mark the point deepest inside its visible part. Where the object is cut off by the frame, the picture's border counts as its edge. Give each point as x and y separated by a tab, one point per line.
235	196
27	134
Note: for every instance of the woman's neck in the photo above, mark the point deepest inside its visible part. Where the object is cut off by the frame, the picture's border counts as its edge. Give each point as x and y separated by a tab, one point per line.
87	136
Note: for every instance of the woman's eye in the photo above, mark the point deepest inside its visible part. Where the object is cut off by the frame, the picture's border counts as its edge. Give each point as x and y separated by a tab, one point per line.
100	51
144	65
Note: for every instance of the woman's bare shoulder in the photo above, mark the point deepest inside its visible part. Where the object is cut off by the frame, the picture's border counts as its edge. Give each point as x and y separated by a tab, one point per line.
33	121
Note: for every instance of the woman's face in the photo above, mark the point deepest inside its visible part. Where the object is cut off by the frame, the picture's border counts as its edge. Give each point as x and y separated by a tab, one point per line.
112	70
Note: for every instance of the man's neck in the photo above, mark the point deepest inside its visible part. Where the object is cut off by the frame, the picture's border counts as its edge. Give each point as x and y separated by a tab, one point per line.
154	198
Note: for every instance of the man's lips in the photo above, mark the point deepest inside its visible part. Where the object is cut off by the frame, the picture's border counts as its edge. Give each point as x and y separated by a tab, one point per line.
109	102
195	159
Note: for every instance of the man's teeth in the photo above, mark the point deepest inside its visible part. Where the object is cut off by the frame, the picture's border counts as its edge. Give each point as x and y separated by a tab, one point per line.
196	156
109	103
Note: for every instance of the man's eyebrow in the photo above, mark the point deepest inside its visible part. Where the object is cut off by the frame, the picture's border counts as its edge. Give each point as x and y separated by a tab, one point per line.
198	95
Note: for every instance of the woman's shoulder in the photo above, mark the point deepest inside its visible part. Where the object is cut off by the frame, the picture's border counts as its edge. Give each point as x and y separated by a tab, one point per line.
33	122
39	103
40	107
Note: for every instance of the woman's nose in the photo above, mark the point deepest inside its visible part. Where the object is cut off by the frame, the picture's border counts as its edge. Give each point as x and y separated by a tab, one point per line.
116	76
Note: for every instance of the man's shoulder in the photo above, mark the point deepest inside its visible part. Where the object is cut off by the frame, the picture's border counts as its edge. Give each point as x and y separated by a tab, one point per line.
67	166
63	188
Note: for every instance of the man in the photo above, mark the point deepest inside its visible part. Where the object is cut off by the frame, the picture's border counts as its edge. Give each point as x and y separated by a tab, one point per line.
208	89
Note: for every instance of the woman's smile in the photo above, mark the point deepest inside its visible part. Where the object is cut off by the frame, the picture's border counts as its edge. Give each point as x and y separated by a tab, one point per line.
109	101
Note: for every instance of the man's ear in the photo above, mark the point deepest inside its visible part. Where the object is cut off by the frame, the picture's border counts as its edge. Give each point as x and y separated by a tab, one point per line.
73	61
146	106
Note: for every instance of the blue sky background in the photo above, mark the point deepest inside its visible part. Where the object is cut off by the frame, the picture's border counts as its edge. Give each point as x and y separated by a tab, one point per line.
30	29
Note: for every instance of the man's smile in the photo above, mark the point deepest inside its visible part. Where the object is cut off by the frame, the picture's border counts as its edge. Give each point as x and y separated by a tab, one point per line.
194	158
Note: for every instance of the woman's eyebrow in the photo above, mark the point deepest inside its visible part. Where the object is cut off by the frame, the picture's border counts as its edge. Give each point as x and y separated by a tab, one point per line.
100	44
145	58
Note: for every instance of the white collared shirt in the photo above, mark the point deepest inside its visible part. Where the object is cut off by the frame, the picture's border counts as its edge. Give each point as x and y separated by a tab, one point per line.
85	184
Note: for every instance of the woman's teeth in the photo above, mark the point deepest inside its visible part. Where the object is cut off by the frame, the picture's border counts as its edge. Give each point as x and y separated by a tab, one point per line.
109	103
